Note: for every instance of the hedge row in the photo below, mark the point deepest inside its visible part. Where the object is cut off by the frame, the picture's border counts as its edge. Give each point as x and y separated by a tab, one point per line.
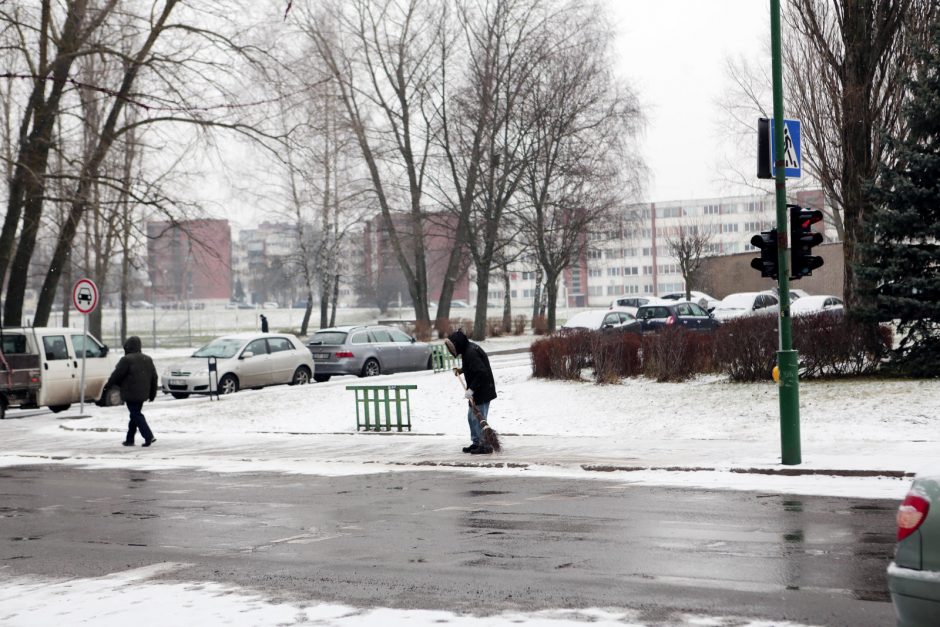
745	349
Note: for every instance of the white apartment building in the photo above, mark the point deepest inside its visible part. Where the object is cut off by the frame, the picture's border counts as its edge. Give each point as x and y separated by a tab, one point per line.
633	257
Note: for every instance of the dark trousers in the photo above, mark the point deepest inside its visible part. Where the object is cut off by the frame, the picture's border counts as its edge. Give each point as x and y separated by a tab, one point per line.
137	422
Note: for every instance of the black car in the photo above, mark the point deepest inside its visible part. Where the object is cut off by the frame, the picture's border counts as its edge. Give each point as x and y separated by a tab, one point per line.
690	316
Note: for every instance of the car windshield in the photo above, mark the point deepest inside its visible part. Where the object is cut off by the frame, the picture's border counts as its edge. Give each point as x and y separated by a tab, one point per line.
331	338
222	348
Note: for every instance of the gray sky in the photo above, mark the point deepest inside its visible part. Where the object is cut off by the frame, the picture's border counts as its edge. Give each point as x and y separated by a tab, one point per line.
674	52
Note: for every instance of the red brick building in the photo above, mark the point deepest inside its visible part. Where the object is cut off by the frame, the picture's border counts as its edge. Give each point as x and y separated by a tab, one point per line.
383	274
189	261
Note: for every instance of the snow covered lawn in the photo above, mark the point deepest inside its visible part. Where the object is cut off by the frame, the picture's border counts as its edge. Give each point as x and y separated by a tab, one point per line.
706	432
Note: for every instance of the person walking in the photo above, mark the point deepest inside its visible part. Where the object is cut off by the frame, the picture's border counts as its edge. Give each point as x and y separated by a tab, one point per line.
136	376
481	388
264	323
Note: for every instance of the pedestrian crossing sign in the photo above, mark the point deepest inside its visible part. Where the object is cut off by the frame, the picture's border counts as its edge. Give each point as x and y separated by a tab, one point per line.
791	149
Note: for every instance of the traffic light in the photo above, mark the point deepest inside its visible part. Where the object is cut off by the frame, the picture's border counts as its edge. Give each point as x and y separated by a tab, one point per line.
767	262
802	240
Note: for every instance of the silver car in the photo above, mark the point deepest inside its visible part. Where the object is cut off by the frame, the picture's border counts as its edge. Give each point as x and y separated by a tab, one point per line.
914	575
244	360
366	351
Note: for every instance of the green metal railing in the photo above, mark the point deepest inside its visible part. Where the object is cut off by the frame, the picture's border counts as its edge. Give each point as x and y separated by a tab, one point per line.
379	407
442	360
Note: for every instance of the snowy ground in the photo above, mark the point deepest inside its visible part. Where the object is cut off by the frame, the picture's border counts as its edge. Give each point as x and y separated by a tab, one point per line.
707	433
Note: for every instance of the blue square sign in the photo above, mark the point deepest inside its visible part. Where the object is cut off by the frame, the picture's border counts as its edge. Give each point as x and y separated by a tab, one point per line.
791	149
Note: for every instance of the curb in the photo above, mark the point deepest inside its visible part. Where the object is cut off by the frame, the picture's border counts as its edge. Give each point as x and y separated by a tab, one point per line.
786	472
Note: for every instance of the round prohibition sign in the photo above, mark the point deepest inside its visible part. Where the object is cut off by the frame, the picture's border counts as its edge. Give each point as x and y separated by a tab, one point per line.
85	296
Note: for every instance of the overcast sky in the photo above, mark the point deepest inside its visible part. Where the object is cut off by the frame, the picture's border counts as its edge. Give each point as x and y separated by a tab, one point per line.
674	53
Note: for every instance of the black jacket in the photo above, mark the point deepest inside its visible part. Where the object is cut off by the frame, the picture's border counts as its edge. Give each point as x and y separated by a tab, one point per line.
476	368
135	374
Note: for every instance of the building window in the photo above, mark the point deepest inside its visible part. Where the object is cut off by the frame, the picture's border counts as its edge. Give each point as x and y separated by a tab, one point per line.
711	210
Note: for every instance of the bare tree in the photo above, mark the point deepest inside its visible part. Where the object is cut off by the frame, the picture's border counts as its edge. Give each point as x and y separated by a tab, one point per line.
845	61
582	166
688	245
484	134
382	56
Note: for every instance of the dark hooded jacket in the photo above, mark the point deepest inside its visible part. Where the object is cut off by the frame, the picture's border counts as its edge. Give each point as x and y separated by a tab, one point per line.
135	374
476	368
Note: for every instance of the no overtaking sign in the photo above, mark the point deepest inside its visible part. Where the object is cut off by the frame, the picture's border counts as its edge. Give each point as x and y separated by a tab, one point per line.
85	296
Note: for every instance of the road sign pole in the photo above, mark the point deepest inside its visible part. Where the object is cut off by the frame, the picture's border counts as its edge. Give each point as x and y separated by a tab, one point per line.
787	359
82	383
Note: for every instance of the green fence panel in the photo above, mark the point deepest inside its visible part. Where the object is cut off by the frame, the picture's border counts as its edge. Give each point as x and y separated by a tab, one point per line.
442	360
378	406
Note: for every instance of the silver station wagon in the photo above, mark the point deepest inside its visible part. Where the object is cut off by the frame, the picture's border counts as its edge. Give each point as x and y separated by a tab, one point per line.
366	351
244	360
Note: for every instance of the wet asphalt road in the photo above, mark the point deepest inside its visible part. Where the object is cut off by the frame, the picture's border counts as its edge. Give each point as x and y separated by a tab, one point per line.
461	541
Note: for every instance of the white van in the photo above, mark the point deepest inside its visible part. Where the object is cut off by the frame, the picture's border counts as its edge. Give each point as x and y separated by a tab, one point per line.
60	352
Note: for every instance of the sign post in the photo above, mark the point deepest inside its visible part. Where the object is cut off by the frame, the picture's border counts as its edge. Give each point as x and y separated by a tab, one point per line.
85	299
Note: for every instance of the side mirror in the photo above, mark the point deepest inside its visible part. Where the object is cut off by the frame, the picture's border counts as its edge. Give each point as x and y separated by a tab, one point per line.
413	339
104	350
246	355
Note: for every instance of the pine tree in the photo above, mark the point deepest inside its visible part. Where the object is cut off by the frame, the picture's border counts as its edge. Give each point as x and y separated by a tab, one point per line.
904	259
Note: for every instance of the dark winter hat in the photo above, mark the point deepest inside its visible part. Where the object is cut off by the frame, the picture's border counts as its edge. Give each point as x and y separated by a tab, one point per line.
457	342
132	345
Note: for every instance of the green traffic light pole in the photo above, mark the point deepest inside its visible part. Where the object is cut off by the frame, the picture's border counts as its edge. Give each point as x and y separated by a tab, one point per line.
787	362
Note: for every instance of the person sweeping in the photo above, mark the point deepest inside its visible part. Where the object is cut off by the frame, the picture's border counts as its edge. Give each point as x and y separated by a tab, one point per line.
480	391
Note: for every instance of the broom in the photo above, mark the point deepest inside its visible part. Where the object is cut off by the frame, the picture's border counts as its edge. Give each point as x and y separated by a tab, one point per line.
489	433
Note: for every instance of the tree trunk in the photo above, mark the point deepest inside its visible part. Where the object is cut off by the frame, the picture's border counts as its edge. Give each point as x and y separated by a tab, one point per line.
335	298
551	294
507	302
479	317
537	294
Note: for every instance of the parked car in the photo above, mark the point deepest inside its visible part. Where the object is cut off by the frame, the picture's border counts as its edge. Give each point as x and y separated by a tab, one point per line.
48	361
632	303
243	360
704	301
270	305
745	304
141	304
690	316
602	320
914	575
366	351
809	305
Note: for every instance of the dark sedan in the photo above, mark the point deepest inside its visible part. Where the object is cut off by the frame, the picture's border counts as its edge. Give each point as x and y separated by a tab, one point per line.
689	316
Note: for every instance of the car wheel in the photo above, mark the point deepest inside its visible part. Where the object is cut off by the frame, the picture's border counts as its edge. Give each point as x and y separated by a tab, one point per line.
301	376
430	364
321	378
228	384
57	408
371	368
179	395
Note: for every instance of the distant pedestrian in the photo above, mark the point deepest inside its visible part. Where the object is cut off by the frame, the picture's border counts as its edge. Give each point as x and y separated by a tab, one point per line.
137	379
481	389
264	323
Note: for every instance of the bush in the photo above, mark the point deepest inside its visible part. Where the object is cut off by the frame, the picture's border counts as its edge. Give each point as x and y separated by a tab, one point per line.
518	327
561	356
539	325
746	348
832	346
614	355
675	354
494	327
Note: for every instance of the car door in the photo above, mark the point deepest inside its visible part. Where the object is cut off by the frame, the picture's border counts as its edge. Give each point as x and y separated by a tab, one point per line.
59	384
254	365
703	321
385	349
411	355
97	365
684	317
283	359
